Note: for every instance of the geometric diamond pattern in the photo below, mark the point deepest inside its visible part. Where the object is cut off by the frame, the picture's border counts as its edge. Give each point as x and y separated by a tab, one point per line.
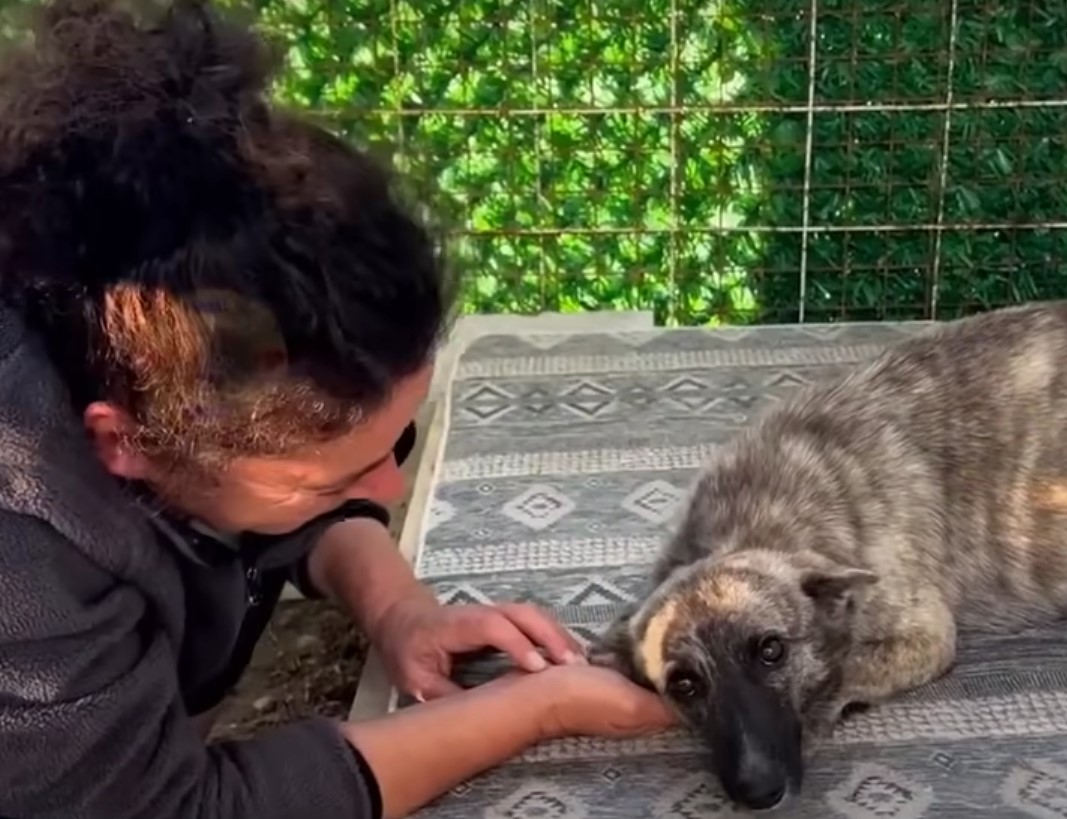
539	507
538	800
735	384
487	403
464	596
695	798
1039	790
943	760
732	334
537	401
544	341
587	399
786	378
655	501
638	396
823	332
745	402
689	393
599	593
635	338
878	792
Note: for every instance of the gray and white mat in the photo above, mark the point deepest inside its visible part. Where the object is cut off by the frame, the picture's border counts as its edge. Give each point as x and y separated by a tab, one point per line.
566	458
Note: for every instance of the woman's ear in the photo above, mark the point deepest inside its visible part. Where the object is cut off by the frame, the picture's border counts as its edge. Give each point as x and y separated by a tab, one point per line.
108	427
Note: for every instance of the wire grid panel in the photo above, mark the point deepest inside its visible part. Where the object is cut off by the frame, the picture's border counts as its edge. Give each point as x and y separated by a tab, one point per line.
716	160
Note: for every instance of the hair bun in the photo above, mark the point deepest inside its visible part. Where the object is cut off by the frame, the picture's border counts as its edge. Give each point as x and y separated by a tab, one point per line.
101	66
116	108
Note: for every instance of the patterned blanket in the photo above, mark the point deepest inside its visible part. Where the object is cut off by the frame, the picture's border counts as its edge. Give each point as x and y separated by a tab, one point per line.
566	458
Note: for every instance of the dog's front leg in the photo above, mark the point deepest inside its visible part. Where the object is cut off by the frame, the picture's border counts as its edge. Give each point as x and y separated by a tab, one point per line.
614	648
878	670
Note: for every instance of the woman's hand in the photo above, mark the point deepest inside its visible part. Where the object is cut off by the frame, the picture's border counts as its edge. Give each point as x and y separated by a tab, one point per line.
593	701
417	638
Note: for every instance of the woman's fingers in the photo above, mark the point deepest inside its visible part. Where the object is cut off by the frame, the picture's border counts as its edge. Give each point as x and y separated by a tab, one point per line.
546	632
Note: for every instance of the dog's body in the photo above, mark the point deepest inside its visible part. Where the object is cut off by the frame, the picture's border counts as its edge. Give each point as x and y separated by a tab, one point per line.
829	554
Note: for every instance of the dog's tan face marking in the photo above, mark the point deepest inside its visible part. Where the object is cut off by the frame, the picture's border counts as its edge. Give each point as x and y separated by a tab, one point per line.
652	649
723	593
719	594
1050	495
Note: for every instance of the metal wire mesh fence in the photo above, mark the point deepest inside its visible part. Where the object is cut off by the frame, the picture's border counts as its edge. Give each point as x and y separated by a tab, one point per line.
714	160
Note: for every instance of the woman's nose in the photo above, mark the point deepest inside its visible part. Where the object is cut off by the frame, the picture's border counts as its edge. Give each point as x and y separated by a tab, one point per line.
385	485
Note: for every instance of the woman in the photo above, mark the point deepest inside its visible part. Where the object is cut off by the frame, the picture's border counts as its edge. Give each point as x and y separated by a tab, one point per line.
217	324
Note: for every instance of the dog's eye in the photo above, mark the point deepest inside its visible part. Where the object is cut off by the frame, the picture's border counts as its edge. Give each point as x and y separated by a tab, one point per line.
683	685
771	650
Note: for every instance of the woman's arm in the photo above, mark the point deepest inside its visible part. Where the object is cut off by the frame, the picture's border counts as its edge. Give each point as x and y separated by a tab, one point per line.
358	564
420	752
423	751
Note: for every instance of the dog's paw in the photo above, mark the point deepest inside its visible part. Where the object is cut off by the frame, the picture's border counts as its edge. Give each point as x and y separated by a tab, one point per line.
613	649
604	656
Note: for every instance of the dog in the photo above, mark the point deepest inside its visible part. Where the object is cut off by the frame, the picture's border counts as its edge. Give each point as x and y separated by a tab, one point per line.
827	556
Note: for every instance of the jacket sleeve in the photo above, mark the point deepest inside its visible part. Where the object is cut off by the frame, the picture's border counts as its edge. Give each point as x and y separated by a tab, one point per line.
92	724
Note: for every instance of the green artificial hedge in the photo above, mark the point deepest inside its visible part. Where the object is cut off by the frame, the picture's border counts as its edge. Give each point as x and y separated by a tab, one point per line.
586	155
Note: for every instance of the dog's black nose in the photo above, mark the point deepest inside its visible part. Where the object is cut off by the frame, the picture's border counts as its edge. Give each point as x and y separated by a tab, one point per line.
760	784
761	794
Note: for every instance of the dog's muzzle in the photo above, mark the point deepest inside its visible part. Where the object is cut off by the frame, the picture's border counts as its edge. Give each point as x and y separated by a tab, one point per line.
756	747
759	783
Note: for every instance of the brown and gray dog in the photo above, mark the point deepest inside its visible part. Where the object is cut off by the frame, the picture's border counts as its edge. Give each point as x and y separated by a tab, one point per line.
829	553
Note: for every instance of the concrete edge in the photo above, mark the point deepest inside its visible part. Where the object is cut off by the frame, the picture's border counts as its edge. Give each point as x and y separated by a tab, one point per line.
375	694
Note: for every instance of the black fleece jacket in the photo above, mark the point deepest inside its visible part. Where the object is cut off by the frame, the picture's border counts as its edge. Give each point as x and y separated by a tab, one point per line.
118	626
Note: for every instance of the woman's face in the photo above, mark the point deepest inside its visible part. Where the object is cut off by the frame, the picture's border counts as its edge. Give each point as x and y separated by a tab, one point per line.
277	495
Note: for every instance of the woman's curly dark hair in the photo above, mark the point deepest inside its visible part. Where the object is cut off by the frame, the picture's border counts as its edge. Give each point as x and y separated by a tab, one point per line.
237	278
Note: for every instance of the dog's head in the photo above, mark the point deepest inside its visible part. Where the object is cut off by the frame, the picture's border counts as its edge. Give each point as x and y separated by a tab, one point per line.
749	650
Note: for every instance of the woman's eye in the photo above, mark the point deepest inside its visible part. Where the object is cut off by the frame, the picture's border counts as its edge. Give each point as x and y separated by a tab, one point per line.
771	650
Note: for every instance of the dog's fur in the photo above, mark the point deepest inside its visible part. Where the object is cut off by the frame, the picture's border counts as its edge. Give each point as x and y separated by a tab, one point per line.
861	521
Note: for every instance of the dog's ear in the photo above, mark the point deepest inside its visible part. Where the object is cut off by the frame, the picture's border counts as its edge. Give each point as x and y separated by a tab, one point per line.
615	648
832	589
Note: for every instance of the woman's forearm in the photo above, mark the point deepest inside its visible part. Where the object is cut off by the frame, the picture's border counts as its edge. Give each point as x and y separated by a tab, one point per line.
421	752
358	564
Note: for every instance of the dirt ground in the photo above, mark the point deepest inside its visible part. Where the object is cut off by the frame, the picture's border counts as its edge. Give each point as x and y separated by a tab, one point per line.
307	663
